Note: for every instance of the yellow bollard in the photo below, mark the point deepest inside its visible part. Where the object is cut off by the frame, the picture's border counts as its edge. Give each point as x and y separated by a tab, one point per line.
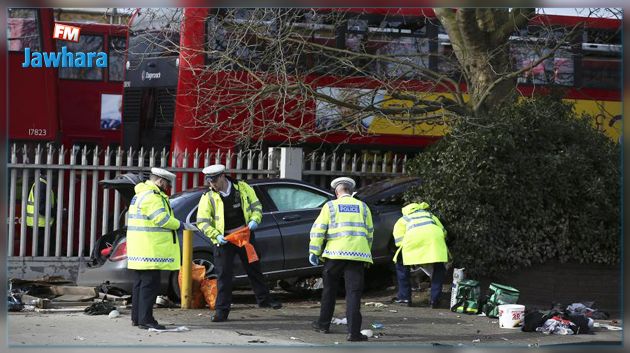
186	287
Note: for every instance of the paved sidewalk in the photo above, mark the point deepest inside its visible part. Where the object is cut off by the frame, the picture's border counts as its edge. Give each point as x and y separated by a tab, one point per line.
250	325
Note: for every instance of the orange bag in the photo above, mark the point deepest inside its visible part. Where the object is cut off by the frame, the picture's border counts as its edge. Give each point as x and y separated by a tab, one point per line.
198	274
240	238
209	290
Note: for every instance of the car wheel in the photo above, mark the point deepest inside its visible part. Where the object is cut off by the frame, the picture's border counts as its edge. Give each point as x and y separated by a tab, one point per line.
303	286
378	277
200	258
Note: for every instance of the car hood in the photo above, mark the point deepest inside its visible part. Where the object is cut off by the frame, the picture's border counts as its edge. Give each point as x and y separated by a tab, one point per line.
124	184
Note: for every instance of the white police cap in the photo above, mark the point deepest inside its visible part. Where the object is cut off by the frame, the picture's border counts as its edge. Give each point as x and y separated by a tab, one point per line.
342	180
213	170
164	174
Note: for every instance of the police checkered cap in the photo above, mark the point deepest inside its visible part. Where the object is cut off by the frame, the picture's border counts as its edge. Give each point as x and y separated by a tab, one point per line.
164	174
213	170
342	180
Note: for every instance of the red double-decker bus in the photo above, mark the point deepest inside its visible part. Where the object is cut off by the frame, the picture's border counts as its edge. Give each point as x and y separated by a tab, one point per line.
588	70
64	105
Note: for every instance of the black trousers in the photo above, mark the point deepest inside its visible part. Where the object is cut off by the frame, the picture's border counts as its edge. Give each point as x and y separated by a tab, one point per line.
146	286
40	240
352	271
223	264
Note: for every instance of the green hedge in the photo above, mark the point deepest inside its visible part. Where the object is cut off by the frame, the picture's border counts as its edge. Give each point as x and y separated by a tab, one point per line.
528	183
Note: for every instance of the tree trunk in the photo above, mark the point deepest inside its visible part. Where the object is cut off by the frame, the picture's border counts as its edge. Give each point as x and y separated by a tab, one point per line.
480	39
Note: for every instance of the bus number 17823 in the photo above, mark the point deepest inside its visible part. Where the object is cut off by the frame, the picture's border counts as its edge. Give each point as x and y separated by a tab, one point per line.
37	132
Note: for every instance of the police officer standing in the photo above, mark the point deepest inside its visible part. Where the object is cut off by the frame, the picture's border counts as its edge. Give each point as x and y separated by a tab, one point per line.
420	237
41	218
152	244
342	235
228	205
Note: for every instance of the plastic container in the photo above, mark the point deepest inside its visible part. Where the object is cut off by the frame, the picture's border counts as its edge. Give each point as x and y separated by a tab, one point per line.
511	315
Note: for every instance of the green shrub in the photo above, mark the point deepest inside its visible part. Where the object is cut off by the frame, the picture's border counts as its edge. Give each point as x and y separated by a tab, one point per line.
523	185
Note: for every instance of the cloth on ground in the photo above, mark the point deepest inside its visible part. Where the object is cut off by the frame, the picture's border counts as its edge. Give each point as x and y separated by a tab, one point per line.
176	329
99	308
586	310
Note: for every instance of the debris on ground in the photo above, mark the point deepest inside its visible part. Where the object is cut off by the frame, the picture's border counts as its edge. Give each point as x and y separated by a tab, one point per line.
99	308
337	321
377	325
586	309
14	303
476	340
176	329
393	311
79	338
162	301
296	339
376	304
367	332
607	326
256	341
244	333
114	314
108	289
49	292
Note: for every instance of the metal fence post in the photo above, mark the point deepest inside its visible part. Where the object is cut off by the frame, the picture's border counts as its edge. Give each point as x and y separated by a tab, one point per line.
94	198
12	200
47	215
60	186
105	220
82	202
25	185
36	192
290	162
71	199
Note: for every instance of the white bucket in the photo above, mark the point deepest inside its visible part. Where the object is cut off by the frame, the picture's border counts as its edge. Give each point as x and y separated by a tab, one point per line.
511	315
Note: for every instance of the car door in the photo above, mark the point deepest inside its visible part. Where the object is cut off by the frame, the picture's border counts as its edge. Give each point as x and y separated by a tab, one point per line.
268	241
297	206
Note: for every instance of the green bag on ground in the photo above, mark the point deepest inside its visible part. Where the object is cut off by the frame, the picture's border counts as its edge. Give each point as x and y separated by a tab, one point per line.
499	294
467	298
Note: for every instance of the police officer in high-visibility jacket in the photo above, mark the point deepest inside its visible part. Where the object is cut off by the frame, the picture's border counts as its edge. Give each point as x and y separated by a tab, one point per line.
41	218
152	243
228	205
420	237
341	237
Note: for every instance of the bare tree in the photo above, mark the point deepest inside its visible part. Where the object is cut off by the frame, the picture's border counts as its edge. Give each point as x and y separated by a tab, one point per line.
303	73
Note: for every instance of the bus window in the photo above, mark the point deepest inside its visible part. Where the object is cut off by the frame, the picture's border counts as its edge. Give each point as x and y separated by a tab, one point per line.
319	29
447	61
232	39
23	30
600	70
116	67
557	69
87	43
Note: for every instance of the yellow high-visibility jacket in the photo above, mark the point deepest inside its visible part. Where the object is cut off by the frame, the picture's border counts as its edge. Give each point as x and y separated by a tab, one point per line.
152	242
343	230
420	235
210	214
30	206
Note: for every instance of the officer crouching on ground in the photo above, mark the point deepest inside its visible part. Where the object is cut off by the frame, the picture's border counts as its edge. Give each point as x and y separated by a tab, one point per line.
420	236
228	205
342	235
152	244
